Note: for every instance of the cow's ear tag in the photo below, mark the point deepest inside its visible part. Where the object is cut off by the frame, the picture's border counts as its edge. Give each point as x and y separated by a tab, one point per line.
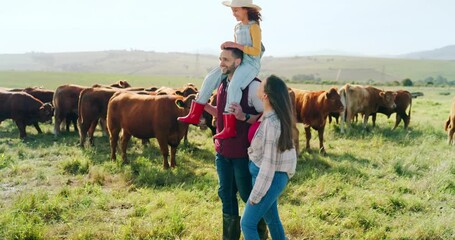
180	103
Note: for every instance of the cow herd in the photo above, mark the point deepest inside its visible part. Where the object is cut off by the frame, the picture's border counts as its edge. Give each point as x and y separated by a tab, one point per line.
152	112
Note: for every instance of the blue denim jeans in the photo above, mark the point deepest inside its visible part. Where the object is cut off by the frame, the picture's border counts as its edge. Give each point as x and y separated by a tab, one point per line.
233	177
267	208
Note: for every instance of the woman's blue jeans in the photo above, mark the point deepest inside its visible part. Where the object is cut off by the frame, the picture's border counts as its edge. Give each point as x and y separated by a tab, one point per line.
267	208
233	177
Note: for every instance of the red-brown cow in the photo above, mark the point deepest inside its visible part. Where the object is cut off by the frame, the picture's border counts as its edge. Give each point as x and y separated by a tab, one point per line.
184	91
145	117
403	100
66	100
365	100
44	95
450	124
313	107
24	109
91	107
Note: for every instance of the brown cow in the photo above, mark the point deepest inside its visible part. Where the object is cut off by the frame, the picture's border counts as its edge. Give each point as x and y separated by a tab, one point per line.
24	109
91	107
44	95
365	100
184	91
119	84
403	100
450	124
66	99
313	107
65	102
144	117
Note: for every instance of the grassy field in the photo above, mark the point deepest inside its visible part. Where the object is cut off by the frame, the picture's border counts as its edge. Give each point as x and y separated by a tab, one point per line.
375	184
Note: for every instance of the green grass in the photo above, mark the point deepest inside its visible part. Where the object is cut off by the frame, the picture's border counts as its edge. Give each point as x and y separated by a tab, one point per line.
51	80
374	184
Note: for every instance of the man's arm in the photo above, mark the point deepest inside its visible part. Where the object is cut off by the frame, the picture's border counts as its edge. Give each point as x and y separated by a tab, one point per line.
210	109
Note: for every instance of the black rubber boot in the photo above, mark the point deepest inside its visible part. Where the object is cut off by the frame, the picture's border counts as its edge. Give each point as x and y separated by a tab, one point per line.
231	227
262	230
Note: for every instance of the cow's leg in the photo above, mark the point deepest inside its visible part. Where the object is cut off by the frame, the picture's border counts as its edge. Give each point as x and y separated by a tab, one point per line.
406	120
68	123
113	133
125	139
104	127
308	137
82	131
162	141
74	120
365	120
397	120
373	119
321	141
185	139
21	126
343	120
37	127
173	152
450	133
57	123
91	132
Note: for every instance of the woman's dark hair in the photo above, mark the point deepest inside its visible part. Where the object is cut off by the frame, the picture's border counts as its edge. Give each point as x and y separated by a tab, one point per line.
254	14
278	95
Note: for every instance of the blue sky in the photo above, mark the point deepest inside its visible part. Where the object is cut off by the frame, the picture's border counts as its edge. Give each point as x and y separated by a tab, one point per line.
289	27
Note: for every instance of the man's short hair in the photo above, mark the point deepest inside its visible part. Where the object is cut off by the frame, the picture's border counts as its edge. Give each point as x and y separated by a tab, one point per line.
236	53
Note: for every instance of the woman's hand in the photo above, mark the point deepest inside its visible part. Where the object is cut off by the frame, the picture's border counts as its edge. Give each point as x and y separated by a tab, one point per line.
236	109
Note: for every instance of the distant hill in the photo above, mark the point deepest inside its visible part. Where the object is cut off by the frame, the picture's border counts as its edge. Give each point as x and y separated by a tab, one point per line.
444	53
324	68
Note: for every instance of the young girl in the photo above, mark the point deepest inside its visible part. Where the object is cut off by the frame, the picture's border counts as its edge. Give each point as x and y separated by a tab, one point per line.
272	159
247	38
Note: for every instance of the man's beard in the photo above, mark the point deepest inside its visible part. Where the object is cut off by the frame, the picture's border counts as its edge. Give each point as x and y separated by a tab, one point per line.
229	69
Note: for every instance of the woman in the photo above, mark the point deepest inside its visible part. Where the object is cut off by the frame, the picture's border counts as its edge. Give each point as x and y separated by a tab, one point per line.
272	159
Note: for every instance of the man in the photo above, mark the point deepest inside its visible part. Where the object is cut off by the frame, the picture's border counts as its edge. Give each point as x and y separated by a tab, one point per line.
231	153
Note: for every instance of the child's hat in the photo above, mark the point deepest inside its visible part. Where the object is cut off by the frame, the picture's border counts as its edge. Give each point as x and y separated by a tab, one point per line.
241	3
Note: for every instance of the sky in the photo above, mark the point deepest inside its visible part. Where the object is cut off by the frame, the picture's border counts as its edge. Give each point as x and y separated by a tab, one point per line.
289	27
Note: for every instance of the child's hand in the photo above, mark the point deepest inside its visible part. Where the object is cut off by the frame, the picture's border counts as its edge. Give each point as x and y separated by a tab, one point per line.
228	44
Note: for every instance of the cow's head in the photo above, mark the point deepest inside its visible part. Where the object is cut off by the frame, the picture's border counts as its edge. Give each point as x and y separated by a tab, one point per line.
121	84
388	99
188	90
46	112
185	104
334	100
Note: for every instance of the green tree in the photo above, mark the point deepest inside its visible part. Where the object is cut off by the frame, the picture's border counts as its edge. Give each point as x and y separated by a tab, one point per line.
407	82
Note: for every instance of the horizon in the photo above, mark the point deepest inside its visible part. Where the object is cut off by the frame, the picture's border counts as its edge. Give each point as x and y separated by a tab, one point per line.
297	28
